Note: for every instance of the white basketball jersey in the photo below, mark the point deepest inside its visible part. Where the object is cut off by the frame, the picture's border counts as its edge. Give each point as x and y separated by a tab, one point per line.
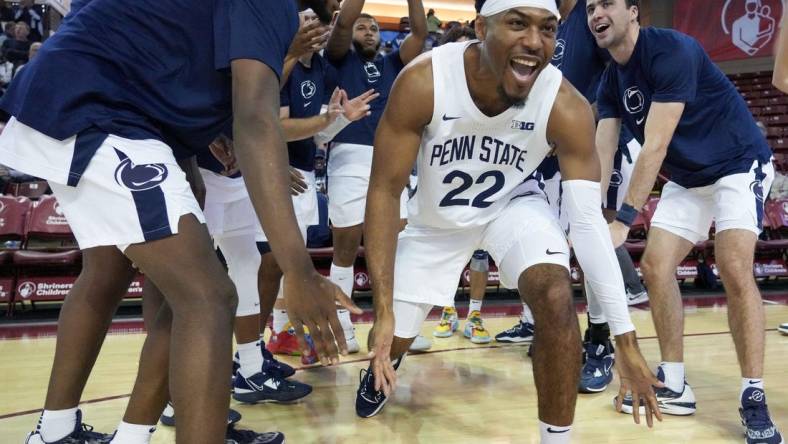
469	164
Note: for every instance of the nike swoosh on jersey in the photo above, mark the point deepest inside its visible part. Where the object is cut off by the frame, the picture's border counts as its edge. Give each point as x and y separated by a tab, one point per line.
307	104
446	118
550	253
639	121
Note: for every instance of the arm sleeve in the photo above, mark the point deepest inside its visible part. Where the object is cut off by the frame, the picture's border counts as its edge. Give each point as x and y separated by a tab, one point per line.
581	201
672	84
606	103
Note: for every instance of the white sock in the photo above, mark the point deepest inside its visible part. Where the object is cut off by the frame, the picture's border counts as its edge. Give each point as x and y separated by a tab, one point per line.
551	434
55	425
674	375
251	358
343	277
527	317
750	382
133	433
280	320
346	322
474	305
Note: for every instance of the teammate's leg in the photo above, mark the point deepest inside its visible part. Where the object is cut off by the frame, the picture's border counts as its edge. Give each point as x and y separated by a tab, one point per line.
84	319
474	326
203	301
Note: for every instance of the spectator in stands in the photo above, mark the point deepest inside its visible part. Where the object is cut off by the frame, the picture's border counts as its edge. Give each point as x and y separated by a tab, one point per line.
30	14
8	32
34	47
458	33
16	50
433	22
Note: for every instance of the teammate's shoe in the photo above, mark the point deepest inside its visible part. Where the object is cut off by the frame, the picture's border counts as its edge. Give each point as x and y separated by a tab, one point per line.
285	343
448	325
351	341
758	426
670	402
597	372
368	400
82	434
474	329
168	416
637	298
419	344
239	436
522	332
265	387
270	364
783	328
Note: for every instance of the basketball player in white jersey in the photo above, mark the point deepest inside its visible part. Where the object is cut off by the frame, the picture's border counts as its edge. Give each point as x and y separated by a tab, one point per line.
489	113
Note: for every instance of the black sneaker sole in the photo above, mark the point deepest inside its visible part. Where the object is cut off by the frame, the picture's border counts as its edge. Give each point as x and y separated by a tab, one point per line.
258	398
374	412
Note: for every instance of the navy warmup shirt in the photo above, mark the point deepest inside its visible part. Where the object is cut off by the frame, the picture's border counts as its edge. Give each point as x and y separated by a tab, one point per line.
356	76
147	69
716	135
305	93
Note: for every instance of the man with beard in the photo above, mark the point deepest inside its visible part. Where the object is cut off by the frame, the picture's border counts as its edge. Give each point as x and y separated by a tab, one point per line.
359	69
489	112
108	147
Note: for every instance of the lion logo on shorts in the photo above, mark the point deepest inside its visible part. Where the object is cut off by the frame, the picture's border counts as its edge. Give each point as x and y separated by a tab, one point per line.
139	177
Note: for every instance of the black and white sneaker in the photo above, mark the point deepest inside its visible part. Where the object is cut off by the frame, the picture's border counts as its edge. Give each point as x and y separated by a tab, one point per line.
670	402
270	364
239	436
637	298
82	434
168	416
369	401
266	387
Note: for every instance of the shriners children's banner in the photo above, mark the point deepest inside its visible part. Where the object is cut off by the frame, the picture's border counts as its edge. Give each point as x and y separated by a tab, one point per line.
731	29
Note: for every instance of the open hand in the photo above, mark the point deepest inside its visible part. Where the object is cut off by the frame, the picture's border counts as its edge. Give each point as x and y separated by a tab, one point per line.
636	379
382	338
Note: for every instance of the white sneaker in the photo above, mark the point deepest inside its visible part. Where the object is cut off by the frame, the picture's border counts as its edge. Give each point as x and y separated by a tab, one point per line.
420	344
352	342
637	298
783	328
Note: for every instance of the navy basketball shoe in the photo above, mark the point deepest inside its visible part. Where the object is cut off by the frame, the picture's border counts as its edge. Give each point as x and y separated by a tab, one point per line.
522	332
368	400
270	364
267	387
597	372
670	402
168	416
758	426
239	436
82	434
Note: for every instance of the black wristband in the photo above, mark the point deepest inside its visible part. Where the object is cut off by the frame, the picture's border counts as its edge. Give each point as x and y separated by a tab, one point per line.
627	214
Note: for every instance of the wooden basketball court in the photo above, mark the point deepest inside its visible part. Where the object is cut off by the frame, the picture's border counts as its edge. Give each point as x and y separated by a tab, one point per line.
457	392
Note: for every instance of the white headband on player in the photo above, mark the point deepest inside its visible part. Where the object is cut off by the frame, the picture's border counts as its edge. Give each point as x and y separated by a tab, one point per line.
492	7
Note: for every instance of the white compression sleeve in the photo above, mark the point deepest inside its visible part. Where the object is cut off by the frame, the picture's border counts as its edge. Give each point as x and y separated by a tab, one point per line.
581	199
331	130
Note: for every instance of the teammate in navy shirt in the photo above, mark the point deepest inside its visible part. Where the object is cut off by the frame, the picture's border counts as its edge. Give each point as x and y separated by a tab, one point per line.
99	113
691	121
353	49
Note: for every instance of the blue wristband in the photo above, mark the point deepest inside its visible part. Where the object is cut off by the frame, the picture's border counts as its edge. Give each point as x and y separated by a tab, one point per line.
627	214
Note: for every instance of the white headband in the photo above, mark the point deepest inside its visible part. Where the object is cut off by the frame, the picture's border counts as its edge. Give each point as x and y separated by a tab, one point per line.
492	7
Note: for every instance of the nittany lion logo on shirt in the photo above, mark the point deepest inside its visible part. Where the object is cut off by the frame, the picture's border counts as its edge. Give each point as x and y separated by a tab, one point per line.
139	177
616	179
558	54
308	89
634	102
373	73
757	190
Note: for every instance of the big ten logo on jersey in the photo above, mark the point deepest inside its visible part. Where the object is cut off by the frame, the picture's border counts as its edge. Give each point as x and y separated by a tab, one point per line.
558	54
372	72
752	24
308	89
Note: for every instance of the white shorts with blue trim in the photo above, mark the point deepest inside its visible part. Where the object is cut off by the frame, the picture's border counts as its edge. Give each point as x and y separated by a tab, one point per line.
623	166
733	202
429	260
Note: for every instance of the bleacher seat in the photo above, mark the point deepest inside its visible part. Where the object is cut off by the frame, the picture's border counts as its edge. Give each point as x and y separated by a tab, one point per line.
13	217
47	227
33	190
29	258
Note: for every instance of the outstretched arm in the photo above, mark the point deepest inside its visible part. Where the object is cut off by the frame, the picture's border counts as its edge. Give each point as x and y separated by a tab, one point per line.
780	75
262	157
414	42
397	142
571	127
342	34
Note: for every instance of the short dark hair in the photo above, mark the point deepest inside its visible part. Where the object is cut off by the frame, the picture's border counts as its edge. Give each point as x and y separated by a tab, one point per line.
479	3
457	32
364	15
